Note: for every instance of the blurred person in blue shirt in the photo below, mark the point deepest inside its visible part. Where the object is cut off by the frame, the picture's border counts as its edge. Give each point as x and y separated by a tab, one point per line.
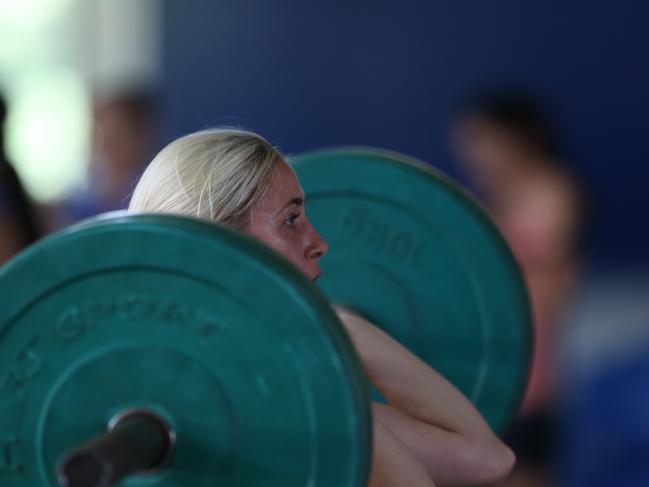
123	135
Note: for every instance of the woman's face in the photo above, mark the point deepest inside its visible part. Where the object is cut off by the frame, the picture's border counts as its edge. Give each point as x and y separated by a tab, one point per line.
488	151
279	220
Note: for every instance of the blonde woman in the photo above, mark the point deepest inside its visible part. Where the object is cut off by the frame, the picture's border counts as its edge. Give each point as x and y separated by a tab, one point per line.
429	433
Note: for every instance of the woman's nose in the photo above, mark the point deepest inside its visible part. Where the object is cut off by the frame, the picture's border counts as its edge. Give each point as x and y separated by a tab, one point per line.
316	247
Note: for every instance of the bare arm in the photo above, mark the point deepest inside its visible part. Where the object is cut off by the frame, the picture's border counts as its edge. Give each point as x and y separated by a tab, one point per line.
393	464
428	414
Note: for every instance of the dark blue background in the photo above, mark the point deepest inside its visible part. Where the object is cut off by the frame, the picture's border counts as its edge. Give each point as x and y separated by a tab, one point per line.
309	74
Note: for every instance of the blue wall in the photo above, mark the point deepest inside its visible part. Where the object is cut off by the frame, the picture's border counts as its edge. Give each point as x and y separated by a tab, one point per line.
308	74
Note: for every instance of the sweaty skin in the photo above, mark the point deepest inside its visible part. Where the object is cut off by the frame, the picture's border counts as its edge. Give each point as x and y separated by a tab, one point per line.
429	434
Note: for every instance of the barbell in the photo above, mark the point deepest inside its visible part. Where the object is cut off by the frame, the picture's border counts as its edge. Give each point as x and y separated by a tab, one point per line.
163	350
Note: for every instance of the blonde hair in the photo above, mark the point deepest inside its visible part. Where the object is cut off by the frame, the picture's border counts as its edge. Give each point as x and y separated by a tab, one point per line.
216	174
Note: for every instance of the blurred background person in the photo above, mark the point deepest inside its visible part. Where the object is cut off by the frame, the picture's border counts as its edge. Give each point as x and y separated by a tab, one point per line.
18	223
509	152
122	143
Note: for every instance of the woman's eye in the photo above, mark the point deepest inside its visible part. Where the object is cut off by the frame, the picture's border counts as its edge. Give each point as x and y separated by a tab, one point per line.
292	220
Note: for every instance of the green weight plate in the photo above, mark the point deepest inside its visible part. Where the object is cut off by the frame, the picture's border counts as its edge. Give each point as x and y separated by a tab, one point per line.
234	348
416	255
